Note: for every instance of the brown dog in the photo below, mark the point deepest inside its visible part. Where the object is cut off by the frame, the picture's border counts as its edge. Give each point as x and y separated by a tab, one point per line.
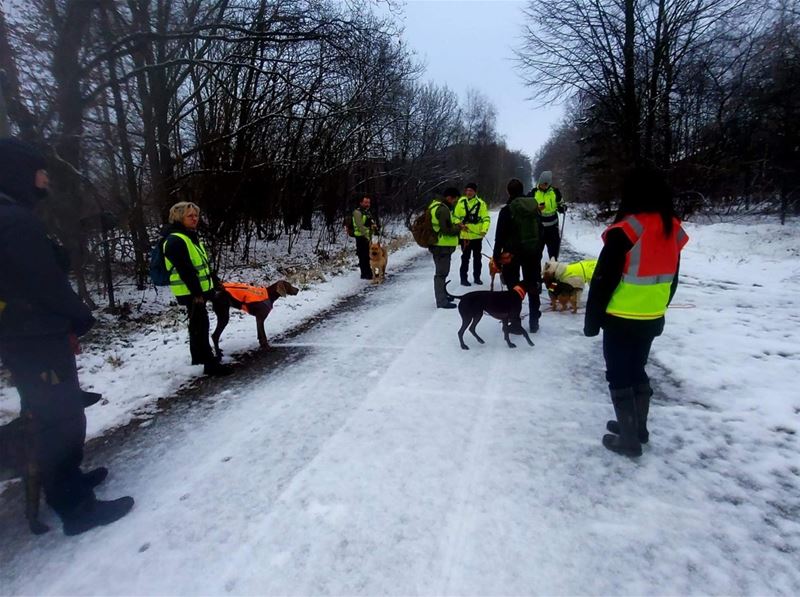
378	258
495	268
255	300
18	459
563	294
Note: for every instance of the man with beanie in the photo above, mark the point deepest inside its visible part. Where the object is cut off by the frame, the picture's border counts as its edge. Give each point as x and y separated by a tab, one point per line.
474	213
447	228
548	198
40	319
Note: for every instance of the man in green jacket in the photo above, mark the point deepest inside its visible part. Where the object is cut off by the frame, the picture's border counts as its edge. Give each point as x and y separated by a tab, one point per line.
474	213
448	228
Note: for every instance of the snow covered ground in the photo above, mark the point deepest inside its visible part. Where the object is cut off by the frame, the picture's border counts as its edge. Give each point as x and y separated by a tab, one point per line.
383	459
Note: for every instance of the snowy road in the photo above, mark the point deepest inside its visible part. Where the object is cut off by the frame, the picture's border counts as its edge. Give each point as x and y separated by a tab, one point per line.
378	458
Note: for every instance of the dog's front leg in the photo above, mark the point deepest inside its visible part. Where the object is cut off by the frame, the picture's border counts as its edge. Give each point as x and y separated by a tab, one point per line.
506	331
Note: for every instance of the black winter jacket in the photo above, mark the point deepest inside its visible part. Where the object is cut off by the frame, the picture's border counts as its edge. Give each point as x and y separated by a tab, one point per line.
38	297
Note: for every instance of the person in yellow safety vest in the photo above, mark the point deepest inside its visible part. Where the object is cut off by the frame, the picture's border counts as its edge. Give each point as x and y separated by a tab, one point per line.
448	227
550	205
191	281
364	226
634	281
474	213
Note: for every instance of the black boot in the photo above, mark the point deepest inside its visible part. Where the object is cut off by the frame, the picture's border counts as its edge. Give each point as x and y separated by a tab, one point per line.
95	476
215	369
643	392
94	513
465	282
90	398
627	442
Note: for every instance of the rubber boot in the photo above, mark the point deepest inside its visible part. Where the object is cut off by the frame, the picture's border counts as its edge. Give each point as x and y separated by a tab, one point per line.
627	442
643	392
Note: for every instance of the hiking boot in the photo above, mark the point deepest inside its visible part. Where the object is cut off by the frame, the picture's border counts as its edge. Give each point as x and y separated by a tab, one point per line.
447	306
95	476
94	513
478	281
215	369
465	282
533	327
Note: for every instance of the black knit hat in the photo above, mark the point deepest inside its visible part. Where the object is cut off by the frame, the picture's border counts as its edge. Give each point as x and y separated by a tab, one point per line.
471	185
19	162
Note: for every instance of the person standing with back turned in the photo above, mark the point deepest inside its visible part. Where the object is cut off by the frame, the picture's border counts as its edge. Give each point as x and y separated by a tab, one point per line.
633	284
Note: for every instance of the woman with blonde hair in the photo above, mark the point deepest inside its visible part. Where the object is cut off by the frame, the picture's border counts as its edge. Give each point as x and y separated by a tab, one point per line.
191	281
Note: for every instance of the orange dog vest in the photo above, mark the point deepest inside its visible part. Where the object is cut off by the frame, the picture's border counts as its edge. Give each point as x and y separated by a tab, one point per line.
246	293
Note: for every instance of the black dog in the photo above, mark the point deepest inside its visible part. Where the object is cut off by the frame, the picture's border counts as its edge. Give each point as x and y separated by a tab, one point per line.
505	306
18	448
255	300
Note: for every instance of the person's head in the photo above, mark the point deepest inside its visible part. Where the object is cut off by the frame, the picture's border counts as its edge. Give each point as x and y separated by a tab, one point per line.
645	189
514	188
544	181
185	213
471	189
23	171
365	202
451	195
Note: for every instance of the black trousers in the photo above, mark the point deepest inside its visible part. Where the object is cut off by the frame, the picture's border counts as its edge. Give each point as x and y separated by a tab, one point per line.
552	240
626	356
44	371
473	248
362	251
532	274
199	345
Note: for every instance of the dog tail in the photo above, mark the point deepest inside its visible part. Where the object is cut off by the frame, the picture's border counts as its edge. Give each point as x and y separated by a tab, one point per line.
451	296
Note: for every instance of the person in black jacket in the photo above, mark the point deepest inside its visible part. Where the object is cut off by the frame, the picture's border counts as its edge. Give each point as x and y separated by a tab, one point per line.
191	282
40	320
518	237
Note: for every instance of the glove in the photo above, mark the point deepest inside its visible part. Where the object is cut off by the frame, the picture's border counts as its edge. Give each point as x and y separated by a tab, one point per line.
590	331
562	209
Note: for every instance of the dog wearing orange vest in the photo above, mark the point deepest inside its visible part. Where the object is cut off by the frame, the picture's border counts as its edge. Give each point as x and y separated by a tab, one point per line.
255	300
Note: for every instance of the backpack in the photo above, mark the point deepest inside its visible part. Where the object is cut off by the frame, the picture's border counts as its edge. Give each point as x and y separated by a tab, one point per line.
525	226
348	225
159	274
422	229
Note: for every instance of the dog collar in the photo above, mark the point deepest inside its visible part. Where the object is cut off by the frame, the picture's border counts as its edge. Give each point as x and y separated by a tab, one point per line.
520	291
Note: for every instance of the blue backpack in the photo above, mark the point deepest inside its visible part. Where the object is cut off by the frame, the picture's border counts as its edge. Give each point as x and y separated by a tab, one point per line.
159	274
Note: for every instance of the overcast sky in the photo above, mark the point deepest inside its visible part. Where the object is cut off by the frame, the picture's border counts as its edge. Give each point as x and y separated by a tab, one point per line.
469	43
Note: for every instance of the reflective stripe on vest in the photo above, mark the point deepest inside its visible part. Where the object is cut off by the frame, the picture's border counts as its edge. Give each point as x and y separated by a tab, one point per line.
443	240
650	266
548	197
199	258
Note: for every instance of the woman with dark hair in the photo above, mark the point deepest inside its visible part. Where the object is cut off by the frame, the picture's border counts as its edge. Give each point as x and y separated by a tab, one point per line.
634	282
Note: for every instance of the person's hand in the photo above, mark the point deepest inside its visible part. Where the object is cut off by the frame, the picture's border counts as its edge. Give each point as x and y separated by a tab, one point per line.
590	331
74	345
562	209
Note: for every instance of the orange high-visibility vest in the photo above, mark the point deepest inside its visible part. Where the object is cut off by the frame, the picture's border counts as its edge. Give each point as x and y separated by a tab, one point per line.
650	267
245	293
